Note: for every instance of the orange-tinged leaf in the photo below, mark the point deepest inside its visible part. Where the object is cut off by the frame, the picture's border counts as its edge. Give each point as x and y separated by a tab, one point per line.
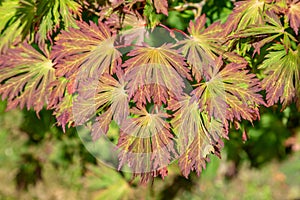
160	70
204	47
282	75
63	111
197	135
293	15
146	143
25	76
87	52
161	6
230	93
106	97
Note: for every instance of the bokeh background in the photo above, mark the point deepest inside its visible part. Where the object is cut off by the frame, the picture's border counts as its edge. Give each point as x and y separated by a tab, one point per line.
39	161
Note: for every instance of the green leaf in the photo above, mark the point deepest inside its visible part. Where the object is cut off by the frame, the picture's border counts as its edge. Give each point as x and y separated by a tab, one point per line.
55	13
35	19
245	13
282	75
266	32
9	31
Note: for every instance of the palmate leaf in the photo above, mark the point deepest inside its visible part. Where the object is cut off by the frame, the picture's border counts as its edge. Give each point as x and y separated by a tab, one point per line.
161	6
156	72
85	52
266	32
230	93
53	14
111	99
245	13
61	102
282	75
7	11
204	46
25	18
25	76
197	135
8	34
146	143
133	28
63	111
293	14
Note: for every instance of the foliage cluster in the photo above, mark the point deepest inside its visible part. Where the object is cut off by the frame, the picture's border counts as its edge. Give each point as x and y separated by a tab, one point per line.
175	97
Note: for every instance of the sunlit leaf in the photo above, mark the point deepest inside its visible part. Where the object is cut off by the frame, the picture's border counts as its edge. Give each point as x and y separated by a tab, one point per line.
294	15
55	13
230	93
85	52
156	71
266	32
63	111
30	18
9	34
282	75
197	135
146	143
110	98
245	13
25	76
204	46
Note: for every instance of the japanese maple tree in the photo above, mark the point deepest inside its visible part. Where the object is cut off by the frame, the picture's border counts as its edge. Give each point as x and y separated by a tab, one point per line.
173	93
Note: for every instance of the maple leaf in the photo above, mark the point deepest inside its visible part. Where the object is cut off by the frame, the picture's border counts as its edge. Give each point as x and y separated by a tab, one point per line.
266	32
230	93
133	28
204	46
161	6
63	111
25	76
186	122
52	14
293	15
58	90
8	34
31	18
109	98
146	143
197	134
282	75
61	102
244	14
160	70
87	52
